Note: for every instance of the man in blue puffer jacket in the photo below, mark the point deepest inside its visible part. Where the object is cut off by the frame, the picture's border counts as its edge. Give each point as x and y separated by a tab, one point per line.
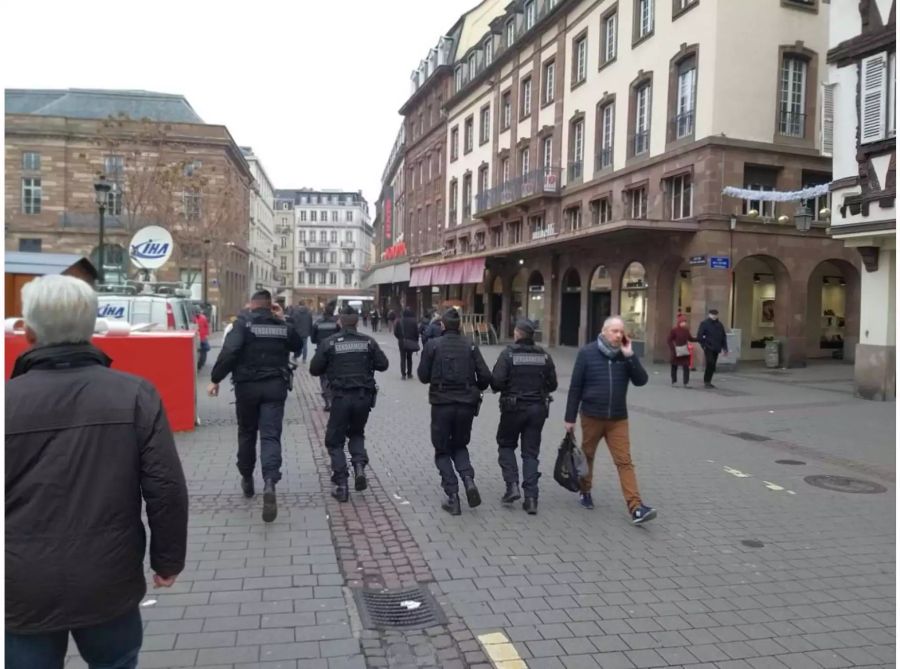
603	370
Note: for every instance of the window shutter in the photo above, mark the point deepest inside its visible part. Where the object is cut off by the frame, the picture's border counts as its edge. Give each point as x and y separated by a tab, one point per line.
827	139
873	92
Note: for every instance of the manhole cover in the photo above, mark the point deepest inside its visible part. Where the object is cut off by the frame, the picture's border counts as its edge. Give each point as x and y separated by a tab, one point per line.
844	484
789	462
752	543
749	436
412	608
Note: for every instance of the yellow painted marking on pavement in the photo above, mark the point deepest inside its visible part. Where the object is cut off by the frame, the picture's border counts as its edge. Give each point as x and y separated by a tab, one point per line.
736	472
501	652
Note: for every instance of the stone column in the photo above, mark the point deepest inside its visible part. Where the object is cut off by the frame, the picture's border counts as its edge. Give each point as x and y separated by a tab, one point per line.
876	352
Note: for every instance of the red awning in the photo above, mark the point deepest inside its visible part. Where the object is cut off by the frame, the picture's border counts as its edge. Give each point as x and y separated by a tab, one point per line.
450	273
421	276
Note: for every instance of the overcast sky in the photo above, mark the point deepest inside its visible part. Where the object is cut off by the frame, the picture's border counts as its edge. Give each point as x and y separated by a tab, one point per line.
312	85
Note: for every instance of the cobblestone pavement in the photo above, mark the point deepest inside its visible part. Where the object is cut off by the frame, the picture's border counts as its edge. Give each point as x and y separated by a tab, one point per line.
747	565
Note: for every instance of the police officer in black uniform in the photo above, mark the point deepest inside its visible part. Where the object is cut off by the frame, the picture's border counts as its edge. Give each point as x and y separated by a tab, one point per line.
524	375
457	374
257	355
349	360
325	326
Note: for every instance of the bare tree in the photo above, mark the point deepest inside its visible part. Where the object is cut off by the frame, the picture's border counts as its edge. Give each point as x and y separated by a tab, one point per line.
158	183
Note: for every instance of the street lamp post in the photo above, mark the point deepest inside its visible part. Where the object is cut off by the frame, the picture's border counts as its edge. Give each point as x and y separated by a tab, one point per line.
206	243
101	193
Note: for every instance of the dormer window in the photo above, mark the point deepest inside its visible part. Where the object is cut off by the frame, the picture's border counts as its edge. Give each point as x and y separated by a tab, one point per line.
510	32
488	51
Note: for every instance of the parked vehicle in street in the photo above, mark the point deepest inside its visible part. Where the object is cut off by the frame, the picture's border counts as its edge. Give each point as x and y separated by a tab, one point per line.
165	308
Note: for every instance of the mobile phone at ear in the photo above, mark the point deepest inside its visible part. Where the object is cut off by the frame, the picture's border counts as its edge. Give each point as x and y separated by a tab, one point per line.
625	339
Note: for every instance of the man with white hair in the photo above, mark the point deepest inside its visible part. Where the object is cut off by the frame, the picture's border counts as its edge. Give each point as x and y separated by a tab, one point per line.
603	370
84	445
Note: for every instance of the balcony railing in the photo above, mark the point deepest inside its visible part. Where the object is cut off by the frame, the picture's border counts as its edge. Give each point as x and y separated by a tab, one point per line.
348	245
544	231
453	217
544	180
576	170
641	142
792	124
604	158
684	124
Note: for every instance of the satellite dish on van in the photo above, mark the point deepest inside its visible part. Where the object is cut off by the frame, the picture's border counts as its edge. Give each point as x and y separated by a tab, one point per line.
150	247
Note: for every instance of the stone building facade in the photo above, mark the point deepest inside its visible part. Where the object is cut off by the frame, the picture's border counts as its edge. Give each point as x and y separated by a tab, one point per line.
332	244
862	91
59	142
589	143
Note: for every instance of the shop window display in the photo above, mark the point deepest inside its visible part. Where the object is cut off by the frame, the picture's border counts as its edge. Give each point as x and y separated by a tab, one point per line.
834	297
536	302
634	301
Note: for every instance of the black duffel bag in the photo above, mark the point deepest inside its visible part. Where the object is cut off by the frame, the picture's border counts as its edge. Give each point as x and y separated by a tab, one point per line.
411	345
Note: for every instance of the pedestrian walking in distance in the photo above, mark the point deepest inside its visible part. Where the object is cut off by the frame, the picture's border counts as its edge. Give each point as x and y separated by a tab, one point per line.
302	321
322	329
679	348
203	335
524	375
599	389
406	331
86	446
713	341
349	359
457	374
257	355
375	318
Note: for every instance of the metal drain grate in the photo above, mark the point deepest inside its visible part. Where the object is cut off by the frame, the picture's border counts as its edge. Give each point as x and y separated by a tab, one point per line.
752	543
789	462
844	484
411	608
749	436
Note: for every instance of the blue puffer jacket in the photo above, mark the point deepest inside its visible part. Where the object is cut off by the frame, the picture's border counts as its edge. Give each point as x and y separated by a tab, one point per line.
600	384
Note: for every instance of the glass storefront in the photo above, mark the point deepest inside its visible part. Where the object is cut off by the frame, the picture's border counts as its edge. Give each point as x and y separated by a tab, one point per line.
633	301
536	302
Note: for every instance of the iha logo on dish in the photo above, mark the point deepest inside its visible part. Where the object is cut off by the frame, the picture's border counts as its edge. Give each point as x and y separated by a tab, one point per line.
150	250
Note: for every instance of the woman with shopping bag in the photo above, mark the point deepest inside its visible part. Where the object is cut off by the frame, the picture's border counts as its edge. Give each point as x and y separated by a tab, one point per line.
679	347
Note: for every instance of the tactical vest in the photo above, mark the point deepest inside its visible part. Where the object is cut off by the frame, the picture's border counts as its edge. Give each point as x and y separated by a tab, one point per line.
527	371
266	351
351	362
453	369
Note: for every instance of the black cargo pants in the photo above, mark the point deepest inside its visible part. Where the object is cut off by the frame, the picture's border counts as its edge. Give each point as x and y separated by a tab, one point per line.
260	409
451	429
525	421
347	423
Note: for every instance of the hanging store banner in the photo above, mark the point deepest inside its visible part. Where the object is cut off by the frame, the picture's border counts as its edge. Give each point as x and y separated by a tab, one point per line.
388	214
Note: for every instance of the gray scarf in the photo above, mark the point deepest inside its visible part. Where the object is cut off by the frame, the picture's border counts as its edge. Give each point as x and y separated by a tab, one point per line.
606	348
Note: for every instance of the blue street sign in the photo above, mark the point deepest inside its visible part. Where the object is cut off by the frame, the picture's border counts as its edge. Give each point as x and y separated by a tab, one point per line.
720	262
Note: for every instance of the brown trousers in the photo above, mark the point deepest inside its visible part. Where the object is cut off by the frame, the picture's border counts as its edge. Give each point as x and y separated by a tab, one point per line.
616	434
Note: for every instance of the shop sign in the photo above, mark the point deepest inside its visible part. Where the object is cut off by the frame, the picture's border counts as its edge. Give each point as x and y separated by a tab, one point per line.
697	260
720	262
388	214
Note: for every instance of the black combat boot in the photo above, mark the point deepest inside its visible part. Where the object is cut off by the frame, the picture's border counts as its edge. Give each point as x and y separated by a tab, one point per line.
247	486
451	505
270	506
341	492
512	493
472	495
360	472
530	506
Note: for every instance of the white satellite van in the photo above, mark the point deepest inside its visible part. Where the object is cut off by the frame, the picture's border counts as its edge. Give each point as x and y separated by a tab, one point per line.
162	311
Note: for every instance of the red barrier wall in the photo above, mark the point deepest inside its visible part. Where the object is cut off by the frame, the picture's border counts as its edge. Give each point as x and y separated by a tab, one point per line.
165	359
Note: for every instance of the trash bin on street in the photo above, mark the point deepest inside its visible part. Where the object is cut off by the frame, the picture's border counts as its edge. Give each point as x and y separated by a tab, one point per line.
773	354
